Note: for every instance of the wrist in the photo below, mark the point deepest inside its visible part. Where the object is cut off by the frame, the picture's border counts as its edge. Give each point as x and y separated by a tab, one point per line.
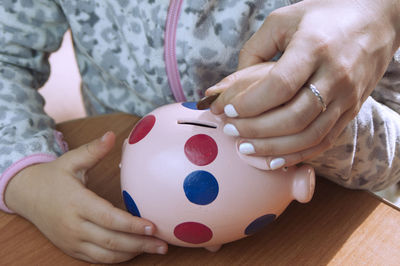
18	193
11	172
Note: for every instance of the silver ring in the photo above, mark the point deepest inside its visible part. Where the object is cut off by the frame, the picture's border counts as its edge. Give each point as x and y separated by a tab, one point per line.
316	92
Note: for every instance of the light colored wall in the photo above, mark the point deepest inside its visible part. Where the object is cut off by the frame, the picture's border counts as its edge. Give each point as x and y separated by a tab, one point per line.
62	92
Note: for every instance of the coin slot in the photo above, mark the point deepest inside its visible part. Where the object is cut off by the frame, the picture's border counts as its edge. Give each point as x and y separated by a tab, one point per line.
198	124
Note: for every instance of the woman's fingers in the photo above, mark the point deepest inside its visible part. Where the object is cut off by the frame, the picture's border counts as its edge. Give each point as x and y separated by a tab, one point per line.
276	162
307	138
274	35
277	86
236	82
287	119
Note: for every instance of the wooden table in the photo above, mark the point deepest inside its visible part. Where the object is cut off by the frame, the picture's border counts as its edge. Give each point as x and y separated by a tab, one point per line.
338	227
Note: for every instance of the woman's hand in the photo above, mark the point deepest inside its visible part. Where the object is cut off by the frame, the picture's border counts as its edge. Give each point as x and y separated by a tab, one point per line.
342	47
53	197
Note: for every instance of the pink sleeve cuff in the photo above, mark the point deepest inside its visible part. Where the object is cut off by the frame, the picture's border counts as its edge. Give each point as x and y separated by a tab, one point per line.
11	171
59	137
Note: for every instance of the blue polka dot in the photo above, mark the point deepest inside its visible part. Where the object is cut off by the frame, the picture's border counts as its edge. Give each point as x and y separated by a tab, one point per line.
201	187
190	105
259	223
130	204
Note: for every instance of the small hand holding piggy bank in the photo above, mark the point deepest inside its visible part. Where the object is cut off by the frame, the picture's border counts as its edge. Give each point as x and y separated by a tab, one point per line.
180	171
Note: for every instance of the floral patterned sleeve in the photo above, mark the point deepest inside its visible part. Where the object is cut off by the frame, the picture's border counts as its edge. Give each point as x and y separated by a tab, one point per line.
29	31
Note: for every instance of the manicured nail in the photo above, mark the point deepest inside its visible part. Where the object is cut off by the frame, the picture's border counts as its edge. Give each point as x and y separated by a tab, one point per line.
161	250
103	138
231	130
230	111
277	163
247	148
148	230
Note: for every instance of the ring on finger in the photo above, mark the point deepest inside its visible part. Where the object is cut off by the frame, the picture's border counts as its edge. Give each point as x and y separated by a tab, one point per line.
316	92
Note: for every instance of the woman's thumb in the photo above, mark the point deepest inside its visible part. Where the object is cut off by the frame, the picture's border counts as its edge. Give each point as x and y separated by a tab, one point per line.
88	155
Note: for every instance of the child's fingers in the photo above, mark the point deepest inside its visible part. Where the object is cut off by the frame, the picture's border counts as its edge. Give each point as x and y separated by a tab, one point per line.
103	213
121	242
97	254
88	155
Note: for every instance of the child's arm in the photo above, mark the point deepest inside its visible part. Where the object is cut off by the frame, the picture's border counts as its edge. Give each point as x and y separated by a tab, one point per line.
28	34
85	226
40	186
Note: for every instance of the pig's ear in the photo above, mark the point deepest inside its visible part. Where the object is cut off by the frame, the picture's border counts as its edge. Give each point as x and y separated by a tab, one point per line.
303	184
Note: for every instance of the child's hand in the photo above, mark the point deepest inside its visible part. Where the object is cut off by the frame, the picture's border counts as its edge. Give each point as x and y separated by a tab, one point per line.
75	219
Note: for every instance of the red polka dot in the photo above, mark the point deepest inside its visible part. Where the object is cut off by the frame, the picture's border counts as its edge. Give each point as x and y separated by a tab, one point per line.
201	149
142	128
192	232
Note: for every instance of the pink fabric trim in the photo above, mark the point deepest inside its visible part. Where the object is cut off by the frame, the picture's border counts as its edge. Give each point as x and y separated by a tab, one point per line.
171	64
11	171
59	137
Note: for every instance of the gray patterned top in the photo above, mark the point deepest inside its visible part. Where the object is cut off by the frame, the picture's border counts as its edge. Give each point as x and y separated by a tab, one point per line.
119	48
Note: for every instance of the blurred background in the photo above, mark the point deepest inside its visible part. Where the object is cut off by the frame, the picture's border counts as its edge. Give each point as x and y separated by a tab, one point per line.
62	90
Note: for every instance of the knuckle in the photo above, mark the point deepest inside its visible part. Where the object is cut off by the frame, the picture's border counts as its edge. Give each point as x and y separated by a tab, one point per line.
279	13
273	20
285	82
106	218
321	43
136	227
110	243
71	231
342	68
145	246
231	79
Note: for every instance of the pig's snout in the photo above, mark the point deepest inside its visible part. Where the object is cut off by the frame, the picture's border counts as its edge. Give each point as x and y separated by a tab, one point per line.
304	184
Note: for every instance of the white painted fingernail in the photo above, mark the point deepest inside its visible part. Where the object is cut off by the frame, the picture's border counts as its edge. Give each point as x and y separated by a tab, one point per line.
277	163
230	111
231	130
247	148
103	138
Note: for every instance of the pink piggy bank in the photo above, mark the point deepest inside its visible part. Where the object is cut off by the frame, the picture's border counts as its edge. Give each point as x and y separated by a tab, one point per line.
180	171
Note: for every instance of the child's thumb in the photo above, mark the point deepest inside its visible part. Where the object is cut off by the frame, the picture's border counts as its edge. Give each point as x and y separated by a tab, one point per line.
88	155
